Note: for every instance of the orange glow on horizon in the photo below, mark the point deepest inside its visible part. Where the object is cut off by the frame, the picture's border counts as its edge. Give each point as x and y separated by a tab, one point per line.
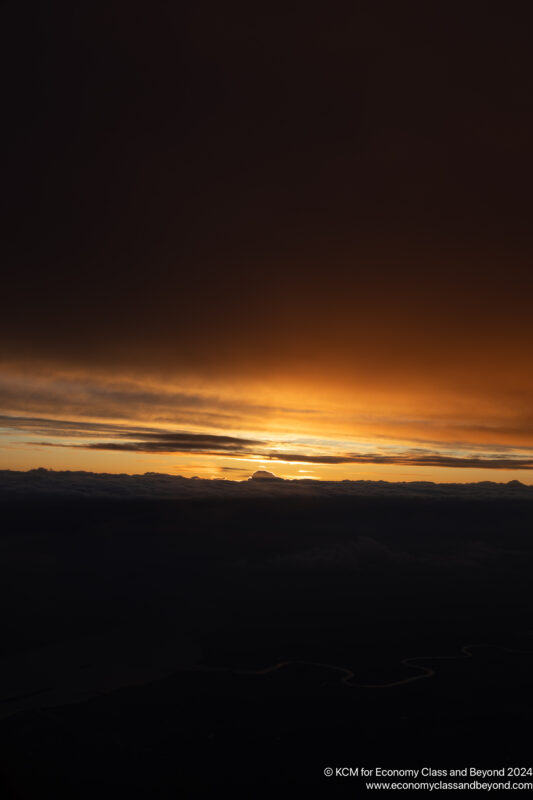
66	421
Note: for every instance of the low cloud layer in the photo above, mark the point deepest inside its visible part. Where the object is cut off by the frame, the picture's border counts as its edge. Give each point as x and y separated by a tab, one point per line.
44	483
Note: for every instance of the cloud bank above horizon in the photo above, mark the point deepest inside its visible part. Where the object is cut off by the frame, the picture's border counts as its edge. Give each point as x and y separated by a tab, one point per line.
207	451
42	484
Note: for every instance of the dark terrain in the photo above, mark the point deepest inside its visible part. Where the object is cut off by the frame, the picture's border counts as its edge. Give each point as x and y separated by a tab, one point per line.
140	635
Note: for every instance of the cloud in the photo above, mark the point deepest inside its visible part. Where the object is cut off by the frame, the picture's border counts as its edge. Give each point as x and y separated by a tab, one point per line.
61	427
147	440
33	397
115	437
410	459
165	442
44	483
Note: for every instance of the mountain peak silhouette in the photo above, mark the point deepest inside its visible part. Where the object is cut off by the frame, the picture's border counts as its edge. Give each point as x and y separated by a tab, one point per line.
264	475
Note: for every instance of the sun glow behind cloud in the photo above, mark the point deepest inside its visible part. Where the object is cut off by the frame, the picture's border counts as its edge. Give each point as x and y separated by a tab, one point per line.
97	422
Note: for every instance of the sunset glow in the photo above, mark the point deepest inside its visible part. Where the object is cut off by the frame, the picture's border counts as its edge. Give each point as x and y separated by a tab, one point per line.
101	422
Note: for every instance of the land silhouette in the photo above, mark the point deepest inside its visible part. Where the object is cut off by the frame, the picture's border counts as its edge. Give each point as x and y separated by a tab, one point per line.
159	624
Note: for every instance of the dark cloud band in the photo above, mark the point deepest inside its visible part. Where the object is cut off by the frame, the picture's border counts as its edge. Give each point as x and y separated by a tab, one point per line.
138	439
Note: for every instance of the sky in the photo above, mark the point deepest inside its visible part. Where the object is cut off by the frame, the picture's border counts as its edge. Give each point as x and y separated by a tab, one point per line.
242	236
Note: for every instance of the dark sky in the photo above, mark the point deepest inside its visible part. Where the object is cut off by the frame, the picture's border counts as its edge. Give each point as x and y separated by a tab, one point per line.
179	169
340	193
